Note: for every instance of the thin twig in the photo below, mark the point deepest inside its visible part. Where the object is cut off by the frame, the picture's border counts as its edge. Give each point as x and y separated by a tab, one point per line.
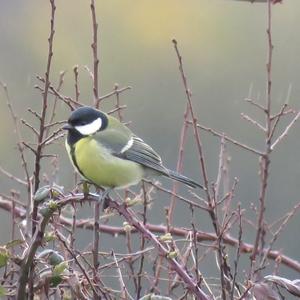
87	224
180	270
95	55
24	122
114	92
238	253
265	160
124	291
53	113
63	241
179	166
12	177
77	92
29	255
231	140
21	149
210	199
143	241
194	122
256	104
287	218
170	192
285	132
255	123
96	244
39	149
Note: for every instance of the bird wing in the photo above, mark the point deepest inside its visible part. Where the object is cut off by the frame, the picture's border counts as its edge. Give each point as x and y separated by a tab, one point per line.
143	154
113	139
125	145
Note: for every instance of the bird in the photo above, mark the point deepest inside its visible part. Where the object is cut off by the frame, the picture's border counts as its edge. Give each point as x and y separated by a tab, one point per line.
109	155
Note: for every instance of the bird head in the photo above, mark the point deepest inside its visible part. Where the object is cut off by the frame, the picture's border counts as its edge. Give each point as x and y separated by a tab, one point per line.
86	121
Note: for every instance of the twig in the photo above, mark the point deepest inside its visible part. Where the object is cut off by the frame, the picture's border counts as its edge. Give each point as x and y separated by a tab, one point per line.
195	246
124	290
256	104
217	183
238	253
118	104
285	132
30	148
24	122
53	113
229	139
39	149
67	100
276	119
52	90
194	122
114	92
96	244
250	120
142	246
278	231
12	177
87	224
35	113
94	46
179	166
130	259
63	241
29	255
210	200
51	136
265	160
117	109
77	92
20	148
160	188
180	270
95	56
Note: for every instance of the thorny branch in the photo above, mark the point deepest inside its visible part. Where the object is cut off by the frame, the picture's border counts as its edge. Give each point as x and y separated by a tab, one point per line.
173	264
211	201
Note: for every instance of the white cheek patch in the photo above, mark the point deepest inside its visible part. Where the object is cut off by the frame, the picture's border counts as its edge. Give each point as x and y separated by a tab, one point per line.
91	128
127	146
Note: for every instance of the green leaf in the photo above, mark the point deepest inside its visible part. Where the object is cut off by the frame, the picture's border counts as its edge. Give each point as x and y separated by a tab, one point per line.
55	259
56	280
85	188
2	291
58	269
49	236
14	243
4	256
56	190
42	193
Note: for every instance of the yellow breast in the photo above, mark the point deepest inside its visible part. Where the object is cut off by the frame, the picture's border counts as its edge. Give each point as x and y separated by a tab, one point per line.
99	166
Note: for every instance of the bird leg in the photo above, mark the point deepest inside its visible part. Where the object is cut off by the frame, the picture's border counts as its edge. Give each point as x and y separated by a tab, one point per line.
105	197
85	186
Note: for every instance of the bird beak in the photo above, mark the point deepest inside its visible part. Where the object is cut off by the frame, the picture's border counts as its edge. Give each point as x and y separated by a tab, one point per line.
67	126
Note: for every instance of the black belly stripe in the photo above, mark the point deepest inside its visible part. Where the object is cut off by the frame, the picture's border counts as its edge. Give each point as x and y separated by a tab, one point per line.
72	151
73	137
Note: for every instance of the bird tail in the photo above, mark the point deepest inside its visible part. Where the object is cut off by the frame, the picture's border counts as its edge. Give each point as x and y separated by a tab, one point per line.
176	176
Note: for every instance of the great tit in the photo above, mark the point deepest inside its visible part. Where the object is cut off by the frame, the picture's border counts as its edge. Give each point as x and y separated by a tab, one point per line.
105	152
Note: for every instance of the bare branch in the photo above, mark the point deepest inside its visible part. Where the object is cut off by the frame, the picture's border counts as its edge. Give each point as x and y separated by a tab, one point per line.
95	56
250	120
285	132
229	139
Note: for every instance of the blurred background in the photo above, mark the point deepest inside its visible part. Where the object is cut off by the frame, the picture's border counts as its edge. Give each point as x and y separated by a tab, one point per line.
224	47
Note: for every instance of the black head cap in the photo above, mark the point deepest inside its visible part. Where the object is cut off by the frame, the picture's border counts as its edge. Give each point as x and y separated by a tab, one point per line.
80	119
86	115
